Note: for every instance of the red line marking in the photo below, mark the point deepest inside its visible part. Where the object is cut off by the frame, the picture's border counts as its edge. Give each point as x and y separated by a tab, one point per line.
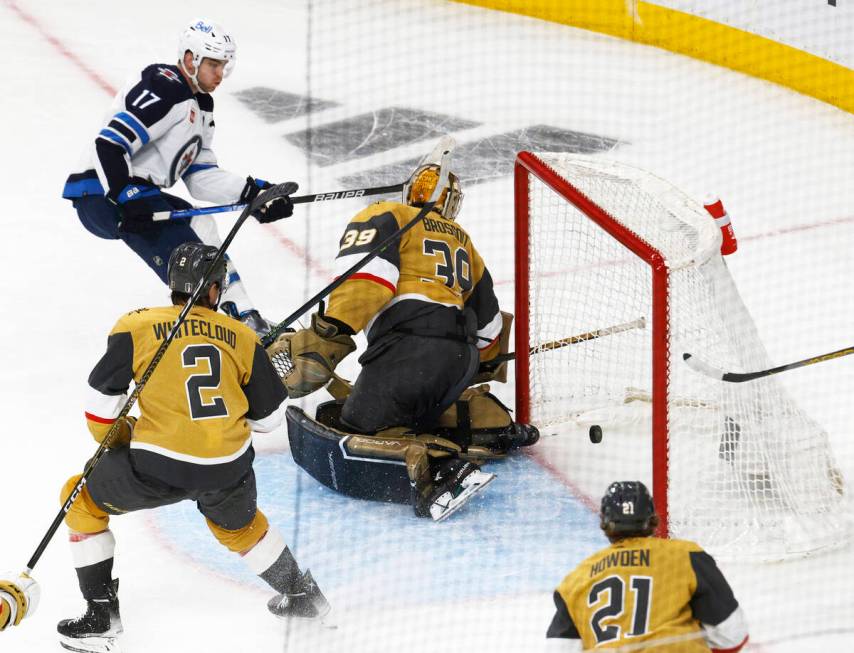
60	47
585	499
300	252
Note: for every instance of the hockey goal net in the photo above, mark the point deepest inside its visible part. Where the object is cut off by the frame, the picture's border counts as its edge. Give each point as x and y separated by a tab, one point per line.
632	267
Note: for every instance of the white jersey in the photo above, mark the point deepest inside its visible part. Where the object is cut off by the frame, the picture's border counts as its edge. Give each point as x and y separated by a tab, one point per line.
157	131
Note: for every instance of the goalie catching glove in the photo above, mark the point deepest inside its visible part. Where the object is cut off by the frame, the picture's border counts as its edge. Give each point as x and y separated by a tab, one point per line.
19	598
314	352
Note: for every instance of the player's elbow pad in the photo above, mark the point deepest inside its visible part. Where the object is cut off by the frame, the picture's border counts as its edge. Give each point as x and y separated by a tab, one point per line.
730	635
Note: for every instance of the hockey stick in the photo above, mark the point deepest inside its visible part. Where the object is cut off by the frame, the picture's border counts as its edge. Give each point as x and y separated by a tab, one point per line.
267	340
740	377
265	197
639	323
183	214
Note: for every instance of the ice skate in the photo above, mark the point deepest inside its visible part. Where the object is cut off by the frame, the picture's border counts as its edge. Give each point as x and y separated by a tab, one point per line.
306	602
97	630
458	483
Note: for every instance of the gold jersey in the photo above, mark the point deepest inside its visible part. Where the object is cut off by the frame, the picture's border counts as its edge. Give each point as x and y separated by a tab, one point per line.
434	264
213	382
644	590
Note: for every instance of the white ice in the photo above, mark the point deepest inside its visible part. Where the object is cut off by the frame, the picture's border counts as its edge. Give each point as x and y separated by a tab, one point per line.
782	163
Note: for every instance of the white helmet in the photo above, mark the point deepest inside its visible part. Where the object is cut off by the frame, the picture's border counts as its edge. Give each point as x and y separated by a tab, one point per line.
206	39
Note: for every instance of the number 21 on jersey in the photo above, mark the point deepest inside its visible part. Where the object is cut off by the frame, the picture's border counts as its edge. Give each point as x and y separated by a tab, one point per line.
613	590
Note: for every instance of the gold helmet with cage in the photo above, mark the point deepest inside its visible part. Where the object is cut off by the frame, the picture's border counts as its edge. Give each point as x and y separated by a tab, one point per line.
420	186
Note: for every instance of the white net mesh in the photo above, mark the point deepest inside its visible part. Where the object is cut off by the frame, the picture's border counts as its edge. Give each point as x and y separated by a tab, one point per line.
749	472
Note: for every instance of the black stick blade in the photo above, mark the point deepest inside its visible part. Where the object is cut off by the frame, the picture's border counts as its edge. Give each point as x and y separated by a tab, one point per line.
273	193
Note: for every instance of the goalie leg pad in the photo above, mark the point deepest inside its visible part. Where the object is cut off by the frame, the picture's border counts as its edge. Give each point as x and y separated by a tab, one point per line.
322	451
479	418
393	465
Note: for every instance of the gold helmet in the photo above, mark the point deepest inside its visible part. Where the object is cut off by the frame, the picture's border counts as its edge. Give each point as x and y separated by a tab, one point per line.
420	186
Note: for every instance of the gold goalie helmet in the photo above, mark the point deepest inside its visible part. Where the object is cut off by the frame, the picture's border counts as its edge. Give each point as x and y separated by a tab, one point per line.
420	186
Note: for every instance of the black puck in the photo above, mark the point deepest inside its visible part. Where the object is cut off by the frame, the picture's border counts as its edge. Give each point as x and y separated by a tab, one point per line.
595	434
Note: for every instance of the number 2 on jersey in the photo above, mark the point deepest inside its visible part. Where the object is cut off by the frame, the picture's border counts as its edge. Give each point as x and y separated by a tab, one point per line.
190	357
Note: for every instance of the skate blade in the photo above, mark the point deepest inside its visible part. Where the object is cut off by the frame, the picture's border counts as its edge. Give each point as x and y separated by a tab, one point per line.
463	498
325	620
91	644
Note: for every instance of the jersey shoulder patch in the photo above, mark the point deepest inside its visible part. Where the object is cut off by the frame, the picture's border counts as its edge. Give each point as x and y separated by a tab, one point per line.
160	87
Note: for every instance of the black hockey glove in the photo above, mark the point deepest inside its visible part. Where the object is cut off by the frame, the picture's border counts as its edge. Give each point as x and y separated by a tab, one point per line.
279	208
137	204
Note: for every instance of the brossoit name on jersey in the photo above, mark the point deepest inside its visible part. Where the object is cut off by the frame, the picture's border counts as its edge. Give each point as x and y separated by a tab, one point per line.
449	228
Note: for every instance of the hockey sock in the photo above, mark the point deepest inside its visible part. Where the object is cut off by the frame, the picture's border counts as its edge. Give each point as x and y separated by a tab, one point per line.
93	562
272	561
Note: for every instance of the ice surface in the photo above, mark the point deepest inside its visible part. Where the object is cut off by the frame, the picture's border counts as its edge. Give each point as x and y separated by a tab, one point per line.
781	162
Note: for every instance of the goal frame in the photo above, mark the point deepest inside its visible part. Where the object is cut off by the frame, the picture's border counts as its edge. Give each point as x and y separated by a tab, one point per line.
526	165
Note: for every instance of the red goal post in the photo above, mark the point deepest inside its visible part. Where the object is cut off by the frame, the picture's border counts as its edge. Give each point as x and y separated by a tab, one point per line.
598	244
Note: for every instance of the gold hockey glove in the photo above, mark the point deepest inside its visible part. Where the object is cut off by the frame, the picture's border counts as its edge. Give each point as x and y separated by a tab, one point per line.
124	431
315	353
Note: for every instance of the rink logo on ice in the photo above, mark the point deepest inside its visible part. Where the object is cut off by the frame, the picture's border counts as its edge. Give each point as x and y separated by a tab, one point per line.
387	128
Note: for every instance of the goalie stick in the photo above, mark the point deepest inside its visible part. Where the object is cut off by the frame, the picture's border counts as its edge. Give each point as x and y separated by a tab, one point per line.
446	144
183	214
740	377
265	197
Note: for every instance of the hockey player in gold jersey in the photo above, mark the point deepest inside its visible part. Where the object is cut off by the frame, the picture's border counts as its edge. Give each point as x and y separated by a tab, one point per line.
428	309
213	386
652	594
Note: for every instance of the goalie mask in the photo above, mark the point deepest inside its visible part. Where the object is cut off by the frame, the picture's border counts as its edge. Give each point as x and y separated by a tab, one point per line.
627	508
206	40
420	186
188	264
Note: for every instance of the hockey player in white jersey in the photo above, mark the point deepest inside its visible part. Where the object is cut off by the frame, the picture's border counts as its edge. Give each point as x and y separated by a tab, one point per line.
160	129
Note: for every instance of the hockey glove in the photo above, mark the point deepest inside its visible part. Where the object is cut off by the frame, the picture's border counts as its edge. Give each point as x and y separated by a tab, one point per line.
279	208
124	431
19	598
137	203
315	352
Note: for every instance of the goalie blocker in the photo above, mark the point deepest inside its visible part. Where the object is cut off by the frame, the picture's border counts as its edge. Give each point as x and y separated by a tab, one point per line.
437	473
